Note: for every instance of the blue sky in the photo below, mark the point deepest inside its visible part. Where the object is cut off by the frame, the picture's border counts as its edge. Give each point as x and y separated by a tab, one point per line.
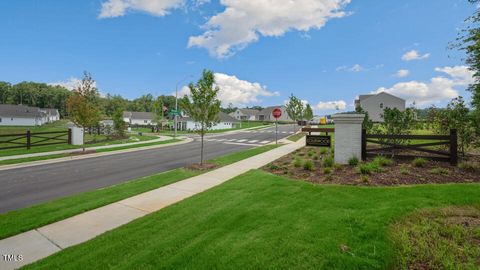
324	51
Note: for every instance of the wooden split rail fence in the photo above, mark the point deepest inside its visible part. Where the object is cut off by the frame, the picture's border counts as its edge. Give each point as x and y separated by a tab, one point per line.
34	139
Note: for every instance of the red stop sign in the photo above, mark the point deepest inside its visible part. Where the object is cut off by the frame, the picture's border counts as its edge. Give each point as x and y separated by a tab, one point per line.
277	113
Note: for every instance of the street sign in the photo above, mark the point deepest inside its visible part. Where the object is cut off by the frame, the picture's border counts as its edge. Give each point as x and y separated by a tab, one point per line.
277	113
174	112
319	140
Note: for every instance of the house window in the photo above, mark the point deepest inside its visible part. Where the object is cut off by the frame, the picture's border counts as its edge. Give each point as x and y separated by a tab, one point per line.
145	121
381	105
0	119
11	118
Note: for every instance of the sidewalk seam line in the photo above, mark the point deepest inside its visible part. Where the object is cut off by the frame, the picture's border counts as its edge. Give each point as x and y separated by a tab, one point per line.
133	207
48	239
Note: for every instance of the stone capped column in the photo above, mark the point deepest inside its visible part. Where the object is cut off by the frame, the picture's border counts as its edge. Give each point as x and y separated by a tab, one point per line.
348	137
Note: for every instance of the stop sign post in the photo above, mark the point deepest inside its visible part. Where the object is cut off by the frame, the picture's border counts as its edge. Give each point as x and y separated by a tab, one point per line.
276	113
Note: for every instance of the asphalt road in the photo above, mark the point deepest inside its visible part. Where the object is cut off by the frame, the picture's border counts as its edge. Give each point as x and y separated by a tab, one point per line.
28	186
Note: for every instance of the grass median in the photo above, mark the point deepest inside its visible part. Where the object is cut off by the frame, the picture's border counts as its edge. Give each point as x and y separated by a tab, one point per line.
262	221
22	220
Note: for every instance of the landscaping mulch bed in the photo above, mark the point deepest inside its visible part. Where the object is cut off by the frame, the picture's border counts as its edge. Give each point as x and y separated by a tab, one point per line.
402	172
199	167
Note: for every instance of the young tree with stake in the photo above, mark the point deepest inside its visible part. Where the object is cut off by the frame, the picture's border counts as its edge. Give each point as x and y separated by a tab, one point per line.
203	105
295	109
82	106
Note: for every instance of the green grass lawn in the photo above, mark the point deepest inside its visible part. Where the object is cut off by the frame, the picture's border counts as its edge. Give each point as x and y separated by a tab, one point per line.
91	141
21	220
296	137
262	221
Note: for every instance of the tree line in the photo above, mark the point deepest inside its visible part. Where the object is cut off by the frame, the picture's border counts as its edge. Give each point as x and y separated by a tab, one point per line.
43	95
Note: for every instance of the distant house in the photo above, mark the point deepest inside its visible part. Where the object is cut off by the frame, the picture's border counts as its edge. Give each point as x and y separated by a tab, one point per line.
52	114
244	114
226	122
375	104
21	115
266	114
139	118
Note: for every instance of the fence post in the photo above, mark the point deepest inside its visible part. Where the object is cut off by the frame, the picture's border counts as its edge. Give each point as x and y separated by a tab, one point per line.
69	136
29	143
364	144
453	147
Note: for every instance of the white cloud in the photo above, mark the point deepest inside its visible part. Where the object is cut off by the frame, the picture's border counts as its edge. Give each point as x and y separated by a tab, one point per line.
243	22
414	55
462	75
437	90
402	73
118	8
69	84
235	91
331	105
354	68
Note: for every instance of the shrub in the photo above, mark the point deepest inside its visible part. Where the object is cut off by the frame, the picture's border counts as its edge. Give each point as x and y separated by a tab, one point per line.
332	150
368	168
469	166
297	163
419	162
337	166
328	161
353	161
327	170
315	158
311	152
273	167
383	161
364	168
323	151
364	179
329	177
439	171
308	165
404	170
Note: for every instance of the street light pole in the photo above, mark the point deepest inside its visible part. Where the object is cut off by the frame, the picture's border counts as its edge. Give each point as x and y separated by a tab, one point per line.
176	104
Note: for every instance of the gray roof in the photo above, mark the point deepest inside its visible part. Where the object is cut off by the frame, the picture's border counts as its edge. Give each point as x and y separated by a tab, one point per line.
21	111
139	115
249	111
269	110
223	118
363	97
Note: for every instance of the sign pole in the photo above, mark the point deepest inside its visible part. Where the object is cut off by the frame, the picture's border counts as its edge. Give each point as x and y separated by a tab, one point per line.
276	131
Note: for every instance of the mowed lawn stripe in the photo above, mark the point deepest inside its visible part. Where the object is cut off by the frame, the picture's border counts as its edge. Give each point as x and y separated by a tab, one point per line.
22	220
262	221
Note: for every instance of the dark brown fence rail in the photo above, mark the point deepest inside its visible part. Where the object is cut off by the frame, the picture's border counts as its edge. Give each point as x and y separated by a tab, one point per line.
29	139
326	130
388	146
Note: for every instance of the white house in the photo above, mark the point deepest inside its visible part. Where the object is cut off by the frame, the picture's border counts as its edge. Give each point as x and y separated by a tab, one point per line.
226	122
266	114
21	115
139	118
244	114
375	104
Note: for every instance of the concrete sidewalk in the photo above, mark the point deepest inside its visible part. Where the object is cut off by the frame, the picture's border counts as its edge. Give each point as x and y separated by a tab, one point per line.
68	151
42	242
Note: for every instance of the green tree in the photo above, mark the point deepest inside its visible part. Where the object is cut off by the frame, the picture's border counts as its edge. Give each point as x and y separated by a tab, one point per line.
295	109
469	41
5	89
308	114
396	122
457	116
203	105
119	124
82	105
367	122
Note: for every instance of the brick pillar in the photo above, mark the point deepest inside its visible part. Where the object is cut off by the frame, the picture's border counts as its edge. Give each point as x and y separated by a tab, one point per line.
348	137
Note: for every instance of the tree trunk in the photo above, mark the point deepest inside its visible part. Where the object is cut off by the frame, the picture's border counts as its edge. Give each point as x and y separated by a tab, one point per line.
201	152
83	145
